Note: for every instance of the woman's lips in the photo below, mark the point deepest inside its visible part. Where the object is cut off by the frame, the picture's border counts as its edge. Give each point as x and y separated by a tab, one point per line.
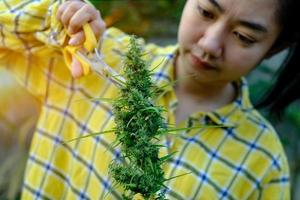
199	64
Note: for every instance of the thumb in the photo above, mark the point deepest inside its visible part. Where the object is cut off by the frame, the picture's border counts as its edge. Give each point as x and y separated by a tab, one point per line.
76	68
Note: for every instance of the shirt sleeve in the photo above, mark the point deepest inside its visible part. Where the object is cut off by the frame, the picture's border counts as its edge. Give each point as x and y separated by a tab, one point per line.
31	41
29	25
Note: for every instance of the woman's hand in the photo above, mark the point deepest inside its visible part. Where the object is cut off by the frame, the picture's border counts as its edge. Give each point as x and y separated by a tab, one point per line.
73	15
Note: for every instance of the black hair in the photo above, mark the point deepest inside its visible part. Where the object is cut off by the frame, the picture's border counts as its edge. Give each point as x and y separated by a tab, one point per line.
287	84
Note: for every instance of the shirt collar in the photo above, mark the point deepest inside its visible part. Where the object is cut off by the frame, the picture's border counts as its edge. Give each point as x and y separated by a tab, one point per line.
231	114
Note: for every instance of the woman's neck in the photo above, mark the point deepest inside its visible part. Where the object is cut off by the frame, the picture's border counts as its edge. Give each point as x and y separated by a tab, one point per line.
207	95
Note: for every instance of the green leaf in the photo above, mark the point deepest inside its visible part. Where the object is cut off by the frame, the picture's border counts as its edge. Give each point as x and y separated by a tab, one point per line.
178	176
191	128
89	135
167	157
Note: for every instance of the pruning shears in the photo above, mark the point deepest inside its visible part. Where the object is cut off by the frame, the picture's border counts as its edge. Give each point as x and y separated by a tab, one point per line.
93	59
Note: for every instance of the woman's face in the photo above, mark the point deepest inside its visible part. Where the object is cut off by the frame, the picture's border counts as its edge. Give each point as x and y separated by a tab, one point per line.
222	40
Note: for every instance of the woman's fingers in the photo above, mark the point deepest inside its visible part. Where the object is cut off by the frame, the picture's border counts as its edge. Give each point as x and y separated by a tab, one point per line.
67	10
61	10
79	37
98	26
74	14
86	13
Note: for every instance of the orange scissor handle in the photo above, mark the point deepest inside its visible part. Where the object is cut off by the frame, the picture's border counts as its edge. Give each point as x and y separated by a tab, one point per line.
89	44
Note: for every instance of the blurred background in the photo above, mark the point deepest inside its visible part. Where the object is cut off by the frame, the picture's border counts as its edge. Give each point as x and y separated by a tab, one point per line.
156	21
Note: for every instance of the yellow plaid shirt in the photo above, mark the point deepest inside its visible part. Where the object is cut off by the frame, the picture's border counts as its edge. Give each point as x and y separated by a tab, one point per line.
242	160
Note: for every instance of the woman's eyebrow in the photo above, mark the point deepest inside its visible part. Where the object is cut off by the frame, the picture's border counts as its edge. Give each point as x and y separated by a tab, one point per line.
217	5
254	26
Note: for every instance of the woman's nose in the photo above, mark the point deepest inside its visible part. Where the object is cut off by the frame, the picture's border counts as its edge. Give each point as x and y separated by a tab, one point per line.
212	40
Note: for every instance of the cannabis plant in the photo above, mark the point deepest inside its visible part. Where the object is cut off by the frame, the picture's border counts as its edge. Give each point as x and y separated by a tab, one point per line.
139	123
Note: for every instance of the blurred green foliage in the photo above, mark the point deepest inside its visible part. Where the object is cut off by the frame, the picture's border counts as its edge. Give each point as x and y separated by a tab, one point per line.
143	17
162	8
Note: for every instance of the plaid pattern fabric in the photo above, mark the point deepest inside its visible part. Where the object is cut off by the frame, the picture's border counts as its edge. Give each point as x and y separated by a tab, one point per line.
242	160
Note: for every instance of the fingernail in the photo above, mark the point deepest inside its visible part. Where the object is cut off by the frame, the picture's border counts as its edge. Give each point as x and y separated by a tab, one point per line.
73	41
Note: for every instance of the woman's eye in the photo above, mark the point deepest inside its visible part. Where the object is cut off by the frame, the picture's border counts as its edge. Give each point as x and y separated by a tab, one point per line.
244	39
205	13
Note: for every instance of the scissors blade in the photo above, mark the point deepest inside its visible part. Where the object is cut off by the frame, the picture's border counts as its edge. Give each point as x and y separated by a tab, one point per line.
101	68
